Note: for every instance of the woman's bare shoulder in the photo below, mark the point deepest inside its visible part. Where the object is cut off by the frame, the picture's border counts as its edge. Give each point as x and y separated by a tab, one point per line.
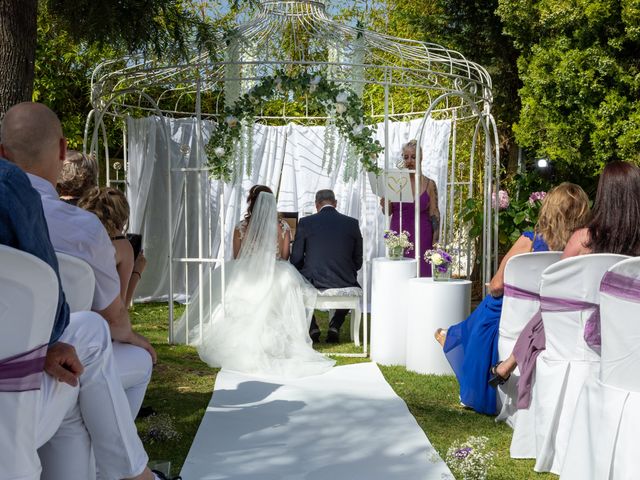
577	244
123	249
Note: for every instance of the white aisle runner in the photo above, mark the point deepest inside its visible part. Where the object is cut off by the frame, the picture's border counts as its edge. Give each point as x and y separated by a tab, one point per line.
347	424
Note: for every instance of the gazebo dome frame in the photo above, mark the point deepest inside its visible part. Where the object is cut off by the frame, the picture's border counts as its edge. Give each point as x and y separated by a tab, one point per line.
298	35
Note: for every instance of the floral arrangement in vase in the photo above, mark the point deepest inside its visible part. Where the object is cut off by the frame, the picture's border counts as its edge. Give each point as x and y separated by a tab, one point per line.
470	460
441	262
397	243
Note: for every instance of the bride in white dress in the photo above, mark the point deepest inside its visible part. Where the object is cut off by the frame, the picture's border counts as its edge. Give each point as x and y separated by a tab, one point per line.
263	327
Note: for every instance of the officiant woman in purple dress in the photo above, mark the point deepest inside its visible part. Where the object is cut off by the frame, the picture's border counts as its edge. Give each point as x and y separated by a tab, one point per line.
429	213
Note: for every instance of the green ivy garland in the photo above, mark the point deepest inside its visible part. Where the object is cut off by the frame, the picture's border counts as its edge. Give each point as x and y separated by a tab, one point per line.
341	104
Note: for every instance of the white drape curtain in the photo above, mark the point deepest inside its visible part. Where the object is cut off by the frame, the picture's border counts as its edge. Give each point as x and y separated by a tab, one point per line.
286	158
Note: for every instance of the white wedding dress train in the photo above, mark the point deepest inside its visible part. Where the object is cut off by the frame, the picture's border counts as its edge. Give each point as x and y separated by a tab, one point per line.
262	327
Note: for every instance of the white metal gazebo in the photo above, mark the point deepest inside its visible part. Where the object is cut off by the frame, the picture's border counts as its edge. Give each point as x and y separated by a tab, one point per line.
394	79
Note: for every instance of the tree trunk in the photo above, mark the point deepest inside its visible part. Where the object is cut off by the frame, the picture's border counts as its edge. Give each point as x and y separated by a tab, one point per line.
18	36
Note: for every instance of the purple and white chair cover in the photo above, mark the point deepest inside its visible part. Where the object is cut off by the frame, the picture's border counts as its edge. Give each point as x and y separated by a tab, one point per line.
570	296
28	301
521	301
602	444
78	282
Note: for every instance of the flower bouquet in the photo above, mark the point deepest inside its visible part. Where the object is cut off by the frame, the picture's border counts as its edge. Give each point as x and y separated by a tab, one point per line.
470	460
397	243
441	262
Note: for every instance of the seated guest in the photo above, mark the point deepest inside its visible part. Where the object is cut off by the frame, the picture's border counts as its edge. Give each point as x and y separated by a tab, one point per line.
327	251
82	403
613	228
79	173
32	139
471	347
111	207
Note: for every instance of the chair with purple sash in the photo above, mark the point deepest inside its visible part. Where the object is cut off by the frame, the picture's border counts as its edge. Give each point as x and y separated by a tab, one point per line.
28	302
602	444
520	302
552	378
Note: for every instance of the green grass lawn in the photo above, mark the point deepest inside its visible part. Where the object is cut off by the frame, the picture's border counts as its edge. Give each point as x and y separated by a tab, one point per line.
181	388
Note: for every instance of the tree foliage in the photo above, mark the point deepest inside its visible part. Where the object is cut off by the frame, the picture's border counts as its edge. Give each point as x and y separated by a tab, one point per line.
148	26
141	25
580	70
63	70
474	29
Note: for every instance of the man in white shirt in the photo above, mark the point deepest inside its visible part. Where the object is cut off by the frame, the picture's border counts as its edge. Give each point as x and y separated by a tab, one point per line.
32	138
80	233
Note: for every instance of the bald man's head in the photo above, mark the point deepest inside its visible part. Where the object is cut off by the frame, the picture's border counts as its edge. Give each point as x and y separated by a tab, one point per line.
31	135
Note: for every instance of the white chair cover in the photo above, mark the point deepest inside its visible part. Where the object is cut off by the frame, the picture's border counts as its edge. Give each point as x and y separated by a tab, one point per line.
28	301
603	441
78	282
567	361
524	272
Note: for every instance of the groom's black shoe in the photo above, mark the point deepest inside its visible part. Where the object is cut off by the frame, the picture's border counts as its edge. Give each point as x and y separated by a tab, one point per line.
333	336
315	335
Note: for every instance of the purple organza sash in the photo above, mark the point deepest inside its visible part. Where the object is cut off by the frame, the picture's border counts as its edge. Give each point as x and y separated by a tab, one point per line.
520	293
620	286
592	325
532	340
23	372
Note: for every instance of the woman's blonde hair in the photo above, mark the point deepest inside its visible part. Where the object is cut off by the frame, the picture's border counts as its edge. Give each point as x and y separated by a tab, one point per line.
78	174
110	206
412	144
564	209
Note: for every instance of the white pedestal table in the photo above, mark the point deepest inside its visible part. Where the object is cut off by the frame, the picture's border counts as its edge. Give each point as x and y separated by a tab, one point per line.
431	305
389	299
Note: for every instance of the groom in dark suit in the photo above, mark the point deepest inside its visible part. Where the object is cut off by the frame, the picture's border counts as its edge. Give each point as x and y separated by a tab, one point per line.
327	251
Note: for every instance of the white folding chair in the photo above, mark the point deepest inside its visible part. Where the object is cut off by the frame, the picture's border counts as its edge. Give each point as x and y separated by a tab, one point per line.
28	302
567	361
602	444
339	298
78	282
523	272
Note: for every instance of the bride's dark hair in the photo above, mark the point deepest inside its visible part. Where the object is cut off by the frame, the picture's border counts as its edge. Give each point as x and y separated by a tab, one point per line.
253	196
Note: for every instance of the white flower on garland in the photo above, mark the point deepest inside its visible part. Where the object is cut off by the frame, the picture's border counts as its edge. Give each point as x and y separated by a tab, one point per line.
232	121
357	130
342	97
219	151
278	82
313	83
340	108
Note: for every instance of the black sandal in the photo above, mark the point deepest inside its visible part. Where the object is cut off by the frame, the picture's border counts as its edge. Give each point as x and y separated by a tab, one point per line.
497	379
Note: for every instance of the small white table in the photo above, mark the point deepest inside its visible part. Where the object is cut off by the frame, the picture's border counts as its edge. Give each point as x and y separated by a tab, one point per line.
432	305
389	309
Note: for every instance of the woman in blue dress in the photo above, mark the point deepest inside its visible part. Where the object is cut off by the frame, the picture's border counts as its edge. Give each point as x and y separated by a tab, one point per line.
471	346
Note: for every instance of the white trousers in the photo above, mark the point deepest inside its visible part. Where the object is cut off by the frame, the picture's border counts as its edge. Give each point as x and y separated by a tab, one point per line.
134	366
101	416
25	425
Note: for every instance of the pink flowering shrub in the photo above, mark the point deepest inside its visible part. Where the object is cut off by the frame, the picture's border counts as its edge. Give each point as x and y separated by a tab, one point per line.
503	199
537	197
